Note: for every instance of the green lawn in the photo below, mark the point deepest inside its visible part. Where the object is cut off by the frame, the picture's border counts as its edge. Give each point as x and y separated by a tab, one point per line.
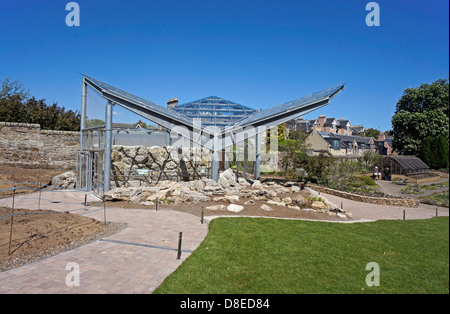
257	255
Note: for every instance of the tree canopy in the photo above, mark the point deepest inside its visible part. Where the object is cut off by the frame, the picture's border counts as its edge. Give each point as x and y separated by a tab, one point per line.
16	106
421	112
371	132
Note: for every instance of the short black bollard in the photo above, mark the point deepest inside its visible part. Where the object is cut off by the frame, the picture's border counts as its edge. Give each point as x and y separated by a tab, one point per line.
85	200
157	203
404	214
40	194
104	212
342	206
203	209
436	211
12	220
180	237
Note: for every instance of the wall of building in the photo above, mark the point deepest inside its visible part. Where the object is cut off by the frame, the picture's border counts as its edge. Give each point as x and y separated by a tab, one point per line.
315	142
26	145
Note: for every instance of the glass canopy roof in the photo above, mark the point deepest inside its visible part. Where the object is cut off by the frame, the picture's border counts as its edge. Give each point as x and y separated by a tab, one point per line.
214	111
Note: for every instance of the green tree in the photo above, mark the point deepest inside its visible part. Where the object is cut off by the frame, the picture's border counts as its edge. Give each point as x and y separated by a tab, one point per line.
426	152
342	174
439	153
10	88
319	168
371	132
293	154
369	159
15	106
422	111
95	122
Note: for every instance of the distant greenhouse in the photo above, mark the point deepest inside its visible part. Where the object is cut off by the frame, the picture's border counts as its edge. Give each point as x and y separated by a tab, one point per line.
214	111
408	167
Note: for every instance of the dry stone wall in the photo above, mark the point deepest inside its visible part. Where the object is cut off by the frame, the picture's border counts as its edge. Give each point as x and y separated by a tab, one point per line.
26	145
144	166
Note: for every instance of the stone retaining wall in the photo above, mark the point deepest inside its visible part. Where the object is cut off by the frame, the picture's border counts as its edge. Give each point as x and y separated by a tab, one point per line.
145	166
26	145
403	202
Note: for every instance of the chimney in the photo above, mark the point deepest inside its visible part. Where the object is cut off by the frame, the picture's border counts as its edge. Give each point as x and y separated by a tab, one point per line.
322	119
172	103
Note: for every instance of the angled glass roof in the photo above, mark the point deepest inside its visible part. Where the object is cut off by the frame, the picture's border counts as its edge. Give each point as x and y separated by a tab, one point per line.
214	111
148	107
290	106
232	119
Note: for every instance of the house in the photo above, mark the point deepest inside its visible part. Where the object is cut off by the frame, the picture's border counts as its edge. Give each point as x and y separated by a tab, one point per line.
339	137
358	130
344	127
384	145
323	124
338	145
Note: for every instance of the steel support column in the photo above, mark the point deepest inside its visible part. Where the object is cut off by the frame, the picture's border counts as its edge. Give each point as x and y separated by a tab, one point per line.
257	156
215	162
83	111
80	160
108	147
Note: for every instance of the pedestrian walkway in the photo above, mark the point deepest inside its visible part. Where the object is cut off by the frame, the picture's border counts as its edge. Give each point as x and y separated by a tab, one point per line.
367	211
135	260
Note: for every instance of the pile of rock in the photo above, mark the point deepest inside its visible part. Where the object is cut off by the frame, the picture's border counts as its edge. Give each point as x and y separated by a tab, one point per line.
228	190
66	180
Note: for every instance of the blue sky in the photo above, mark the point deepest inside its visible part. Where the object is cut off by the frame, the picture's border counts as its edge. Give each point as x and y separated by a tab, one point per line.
257	53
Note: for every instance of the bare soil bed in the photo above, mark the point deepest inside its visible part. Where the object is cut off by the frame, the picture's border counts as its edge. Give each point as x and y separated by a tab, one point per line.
39	234
24	178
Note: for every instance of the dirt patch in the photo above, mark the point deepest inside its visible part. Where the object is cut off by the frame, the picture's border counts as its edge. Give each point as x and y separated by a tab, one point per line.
25	180
38	234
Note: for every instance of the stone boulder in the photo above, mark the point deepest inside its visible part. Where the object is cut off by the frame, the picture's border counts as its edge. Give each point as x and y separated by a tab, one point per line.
216	207
257	185
243	182
192	197
66	180
235	208
299	200
227	178
120	194
266	208
319	205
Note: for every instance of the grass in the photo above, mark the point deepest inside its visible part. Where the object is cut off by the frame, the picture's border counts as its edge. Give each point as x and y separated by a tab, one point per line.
273	256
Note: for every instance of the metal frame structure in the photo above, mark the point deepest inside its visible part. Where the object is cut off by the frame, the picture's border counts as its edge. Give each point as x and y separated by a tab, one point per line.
214	111
214	137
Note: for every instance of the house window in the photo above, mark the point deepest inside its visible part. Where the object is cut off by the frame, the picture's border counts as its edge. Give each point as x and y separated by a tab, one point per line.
336	144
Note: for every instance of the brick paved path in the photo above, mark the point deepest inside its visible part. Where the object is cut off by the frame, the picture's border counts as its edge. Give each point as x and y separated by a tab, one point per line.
135	260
